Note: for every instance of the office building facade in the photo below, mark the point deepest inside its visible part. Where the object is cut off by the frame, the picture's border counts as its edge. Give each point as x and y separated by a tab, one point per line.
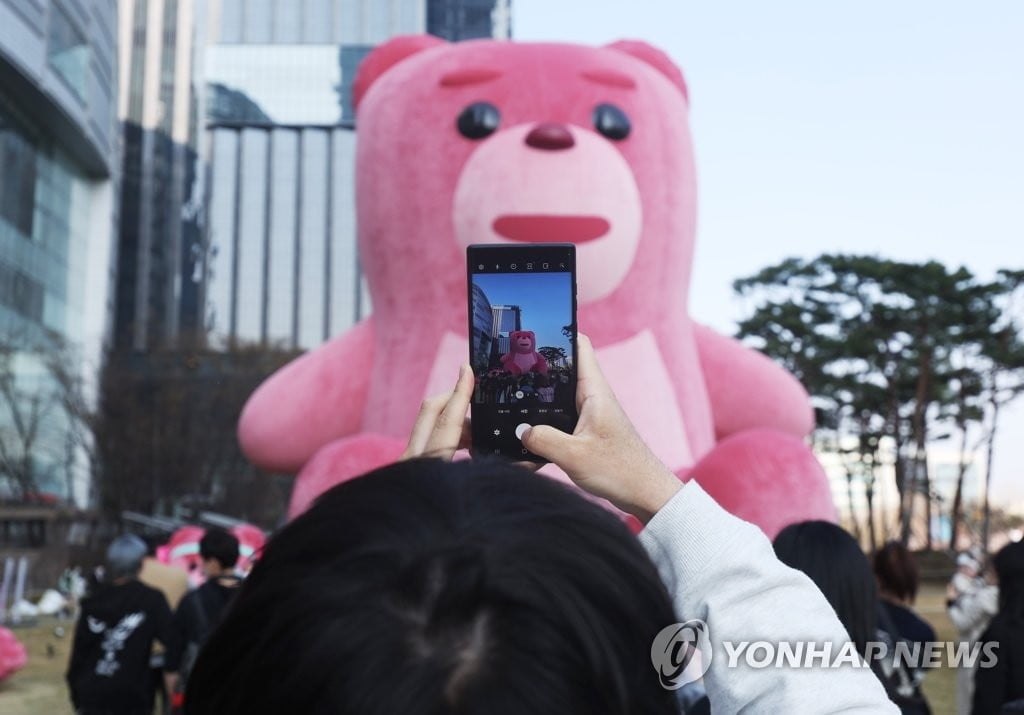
287	273
481	335
160	246
469	19
226	105
282	264
58	205
506	318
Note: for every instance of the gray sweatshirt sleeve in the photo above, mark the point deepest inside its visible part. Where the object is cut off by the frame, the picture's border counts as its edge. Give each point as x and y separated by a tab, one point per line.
723	571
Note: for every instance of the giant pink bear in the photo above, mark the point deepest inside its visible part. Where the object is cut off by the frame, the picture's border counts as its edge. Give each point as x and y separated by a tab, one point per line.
522	355
486	141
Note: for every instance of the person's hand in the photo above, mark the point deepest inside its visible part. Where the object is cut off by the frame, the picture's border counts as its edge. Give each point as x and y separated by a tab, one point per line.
604	456
442	427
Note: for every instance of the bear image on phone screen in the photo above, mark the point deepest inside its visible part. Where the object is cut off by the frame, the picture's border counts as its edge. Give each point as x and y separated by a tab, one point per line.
522	339
523	361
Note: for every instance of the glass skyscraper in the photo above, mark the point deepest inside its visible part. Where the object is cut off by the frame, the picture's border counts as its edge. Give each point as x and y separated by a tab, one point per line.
481	335
506	318
285	274
469	19
160	258
238	221
57	211
280	246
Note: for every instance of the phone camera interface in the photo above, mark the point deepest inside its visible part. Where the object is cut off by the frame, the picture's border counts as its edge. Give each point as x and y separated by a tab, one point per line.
522	342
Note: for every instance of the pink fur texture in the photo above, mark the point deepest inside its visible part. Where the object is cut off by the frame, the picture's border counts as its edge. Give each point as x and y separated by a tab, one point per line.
711	409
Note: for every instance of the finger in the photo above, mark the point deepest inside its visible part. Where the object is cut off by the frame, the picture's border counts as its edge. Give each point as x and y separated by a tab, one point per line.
466	440
421	430
552	444
589	380
444	439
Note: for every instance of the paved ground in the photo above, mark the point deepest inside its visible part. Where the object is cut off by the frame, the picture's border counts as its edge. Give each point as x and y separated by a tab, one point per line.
39	688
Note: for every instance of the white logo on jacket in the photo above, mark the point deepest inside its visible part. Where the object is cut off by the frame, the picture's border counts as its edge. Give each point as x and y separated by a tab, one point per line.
113	641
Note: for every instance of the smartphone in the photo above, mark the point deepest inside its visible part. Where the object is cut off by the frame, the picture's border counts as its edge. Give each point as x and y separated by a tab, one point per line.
522	347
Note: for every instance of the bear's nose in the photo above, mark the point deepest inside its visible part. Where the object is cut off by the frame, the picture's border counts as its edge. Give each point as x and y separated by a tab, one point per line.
550	136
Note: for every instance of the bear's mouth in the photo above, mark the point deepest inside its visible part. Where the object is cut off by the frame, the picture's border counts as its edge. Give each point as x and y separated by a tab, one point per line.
547	228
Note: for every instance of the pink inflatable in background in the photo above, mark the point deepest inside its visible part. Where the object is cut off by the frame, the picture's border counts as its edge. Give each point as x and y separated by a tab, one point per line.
13	655
182	549
251	541
481	142
183	552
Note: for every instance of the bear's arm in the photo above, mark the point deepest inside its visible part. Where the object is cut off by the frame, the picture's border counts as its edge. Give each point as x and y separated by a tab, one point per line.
313	400
747	390
542	364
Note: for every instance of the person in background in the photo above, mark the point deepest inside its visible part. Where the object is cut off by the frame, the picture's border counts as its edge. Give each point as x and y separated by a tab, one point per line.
898	580
108	672
1000	689
71	585
173	584
839	568
971	601
200	611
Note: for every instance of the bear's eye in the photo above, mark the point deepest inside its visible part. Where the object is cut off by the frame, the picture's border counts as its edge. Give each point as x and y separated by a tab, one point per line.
611	121
478	120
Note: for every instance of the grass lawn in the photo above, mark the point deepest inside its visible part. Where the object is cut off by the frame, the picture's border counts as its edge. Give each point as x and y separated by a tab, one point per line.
939	685
38	688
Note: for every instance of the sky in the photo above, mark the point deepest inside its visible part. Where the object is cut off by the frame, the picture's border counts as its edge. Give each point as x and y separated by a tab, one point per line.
544	299
889	128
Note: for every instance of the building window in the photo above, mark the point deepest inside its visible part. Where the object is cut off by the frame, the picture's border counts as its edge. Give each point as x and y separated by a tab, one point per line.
17	173
19	291
68	51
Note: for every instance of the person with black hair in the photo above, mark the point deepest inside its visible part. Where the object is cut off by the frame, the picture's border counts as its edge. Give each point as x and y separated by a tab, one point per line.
839	568
200	611
108	672
1000	688
833	559
431	586
898	580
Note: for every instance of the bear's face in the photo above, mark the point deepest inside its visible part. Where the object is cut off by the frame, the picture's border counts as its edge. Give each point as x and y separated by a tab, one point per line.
522	341
500	142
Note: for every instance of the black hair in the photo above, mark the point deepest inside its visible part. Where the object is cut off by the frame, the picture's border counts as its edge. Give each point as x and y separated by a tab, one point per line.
1009	567
839	568
437	587
896	570
220	545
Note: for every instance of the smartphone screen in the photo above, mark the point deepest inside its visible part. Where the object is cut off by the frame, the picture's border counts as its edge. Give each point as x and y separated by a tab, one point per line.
522	348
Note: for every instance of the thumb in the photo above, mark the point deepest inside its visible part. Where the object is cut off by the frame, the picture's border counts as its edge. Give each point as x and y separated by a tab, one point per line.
546	441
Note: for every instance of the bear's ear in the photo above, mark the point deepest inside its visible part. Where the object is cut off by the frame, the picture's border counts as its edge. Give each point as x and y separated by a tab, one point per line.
656	58
385	56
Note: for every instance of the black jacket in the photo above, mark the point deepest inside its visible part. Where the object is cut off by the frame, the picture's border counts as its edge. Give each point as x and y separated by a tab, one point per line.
197	615
1004	682
109	666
